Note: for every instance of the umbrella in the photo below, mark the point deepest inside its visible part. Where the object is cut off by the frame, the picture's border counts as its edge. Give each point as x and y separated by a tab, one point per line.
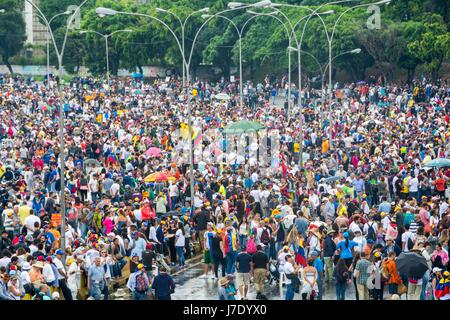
159	176
331	179
138	91
438	163
136	75
92	162
243	126
222	96
412	264
153	152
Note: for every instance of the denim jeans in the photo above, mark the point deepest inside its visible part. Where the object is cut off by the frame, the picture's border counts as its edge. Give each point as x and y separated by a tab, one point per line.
84	230
340	290
95	291
289	292
243	241
139	295
180	256
425	280
231	259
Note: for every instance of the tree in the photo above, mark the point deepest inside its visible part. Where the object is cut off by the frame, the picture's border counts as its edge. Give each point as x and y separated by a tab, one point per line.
12	30
385	46
432	46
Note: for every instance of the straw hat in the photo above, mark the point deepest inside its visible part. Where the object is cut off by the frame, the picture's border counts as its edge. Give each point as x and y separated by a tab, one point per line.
223	281
120	293
39	264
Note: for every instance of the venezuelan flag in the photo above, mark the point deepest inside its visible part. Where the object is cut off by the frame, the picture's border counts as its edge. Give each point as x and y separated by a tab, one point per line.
442	288
300	256
197	137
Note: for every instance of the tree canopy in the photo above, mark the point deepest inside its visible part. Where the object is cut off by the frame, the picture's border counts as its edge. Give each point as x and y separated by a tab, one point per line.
412	33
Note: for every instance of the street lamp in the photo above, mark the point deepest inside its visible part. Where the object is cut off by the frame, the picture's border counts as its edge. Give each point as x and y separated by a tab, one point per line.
60	55
106	36
48	43
183	29
2	10
186	63
240	33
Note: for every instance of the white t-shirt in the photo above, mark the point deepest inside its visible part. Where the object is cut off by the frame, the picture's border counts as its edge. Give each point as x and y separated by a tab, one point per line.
413	184
374	226
256	195
288	269
289	220
59	265
48	274
180	239
405	237
114	190
29	222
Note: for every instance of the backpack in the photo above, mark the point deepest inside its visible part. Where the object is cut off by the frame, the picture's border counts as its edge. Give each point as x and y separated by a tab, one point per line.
371	233
251	246
410	244
265	237
141	285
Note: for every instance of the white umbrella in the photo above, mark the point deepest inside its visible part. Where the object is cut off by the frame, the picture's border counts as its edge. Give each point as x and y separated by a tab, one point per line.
222	96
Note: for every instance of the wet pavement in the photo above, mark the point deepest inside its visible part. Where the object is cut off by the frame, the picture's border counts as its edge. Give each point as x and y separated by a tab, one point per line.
189	286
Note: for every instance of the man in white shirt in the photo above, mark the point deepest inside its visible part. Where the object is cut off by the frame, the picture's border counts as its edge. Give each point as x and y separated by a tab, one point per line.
289	270
413	185
405	239
62	275
30	223
47	272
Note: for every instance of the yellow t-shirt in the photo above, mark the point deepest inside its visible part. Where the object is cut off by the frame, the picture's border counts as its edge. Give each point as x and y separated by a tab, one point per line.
24	212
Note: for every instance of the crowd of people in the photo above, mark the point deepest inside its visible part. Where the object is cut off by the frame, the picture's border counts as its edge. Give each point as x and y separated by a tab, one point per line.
362	198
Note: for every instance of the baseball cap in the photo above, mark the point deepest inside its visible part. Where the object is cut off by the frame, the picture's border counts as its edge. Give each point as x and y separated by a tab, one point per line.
140	266
436	269
59	252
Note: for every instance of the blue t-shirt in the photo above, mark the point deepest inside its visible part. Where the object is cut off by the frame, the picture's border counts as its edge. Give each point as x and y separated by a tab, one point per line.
346	252
318	264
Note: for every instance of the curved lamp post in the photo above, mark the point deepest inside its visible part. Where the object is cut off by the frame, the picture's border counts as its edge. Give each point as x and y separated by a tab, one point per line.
60	55
106	36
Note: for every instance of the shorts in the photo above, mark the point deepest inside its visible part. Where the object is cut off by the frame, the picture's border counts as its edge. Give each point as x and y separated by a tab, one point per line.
243	279
207	257
392	287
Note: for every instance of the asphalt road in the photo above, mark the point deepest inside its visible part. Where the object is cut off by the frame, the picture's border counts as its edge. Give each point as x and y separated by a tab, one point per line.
189	286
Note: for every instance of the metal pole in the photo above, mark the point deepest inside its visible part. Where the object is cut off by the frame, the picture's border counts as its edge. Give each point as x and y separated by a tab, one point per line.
299	54
330	94
48	61
184	66
191	151
240	72
61	155
107	59
289	82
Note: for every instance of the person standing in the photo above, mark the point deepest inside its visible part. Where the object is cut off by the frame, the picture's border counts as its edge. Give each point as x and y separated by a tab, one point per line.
342	274
230	246
139	283
259	269
163	285
243	267
62	276
362	274
96	279
180	243
290	270
329	248
318	264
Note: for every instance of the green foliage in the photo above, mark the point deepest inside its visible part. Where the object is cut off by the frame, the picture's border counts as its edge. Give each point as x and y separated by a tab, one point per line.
414	32
12	30
432	45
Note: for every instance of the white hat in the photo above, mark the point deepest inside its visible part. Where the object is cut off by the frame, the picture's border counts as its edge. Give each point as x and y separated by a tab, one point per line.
26	266
436	269
55	295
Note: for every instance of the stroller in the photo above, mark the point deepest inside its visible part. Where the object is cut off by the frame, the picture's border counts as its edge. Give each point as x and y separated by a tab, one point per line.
274	274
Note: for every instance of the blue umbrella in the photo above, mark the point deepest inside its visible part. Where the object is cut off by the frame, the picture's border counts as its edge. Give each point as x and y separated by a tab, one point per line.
438	163
333	178
136	75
